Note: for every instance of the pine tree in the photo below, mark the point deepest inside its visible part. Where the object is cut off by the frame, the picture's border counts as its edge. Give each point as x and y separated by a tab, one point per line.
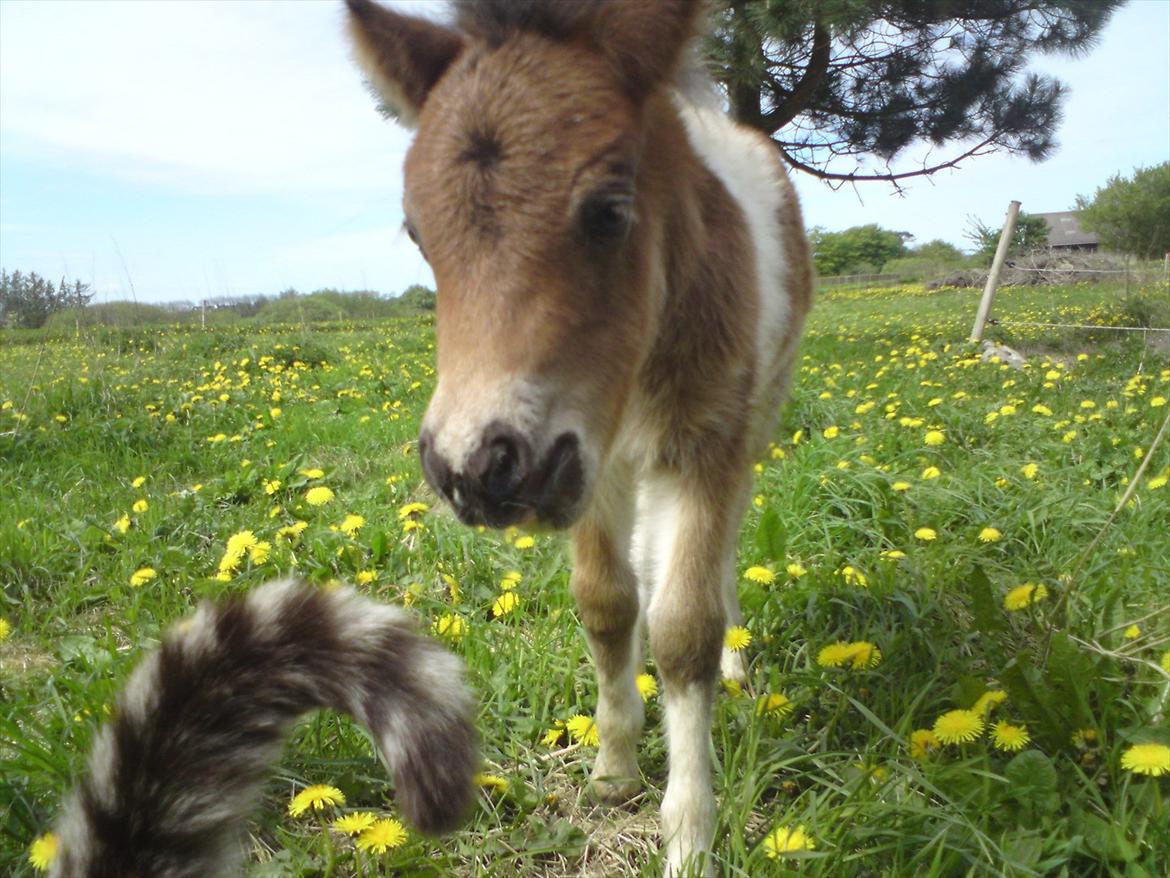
837	82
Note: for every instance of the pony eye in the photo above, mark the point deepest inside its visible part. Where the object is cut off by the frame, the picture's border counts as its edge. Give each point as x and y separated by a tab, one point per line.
606	218
412	233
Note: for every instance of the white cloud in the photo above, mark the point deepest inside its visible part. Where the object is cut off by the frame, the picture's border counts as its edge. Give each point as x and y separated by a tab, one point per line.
234	97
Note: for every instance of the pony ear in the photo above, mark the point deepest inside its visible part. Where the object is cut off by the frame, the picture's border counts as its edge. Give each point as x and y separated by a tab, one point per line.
645	38
403	56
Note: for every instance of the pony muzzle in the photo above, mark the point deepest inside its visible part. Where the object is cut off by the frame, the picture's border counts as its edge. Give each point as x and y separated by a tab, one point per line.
503	481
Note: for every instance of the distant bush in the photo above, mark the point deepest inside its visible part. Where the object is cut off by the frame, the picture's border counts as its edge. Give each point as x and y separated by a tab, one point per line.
921	268
111	314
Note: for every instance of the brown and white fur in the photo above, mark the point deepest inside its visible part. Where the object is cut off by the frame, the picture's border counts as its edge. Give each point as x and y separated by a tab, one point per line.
174	774
622	279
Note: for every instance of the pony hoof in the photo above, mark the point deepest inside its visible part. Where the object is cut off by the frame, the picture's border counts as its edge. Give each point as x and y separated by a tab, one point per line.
614	790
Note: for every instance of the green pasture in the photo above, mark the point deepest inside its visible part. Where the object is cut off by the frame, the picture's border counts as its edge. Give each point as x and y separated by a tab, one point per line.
911	491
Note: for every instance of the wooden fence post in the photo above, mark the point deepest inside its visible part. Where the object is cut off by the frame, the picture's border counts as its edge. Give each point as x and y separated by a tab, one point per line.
1005	240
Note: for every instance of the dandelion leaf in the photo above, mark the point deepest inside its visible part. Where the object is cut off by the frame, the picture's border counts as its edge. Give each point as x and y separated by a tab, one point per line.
1069	672
968	689
1029	691
378	546
1022	851
1031	778
770	536
1106	840
984	606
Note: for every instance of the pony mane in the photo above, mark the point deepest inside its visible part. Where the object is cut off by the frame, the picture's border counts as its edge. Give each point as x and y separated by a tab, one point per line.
495	20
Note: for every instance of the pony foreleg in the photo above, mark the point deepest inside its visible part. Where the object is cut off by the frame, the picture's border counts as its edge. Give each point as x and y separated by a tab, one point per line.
607	597
686	619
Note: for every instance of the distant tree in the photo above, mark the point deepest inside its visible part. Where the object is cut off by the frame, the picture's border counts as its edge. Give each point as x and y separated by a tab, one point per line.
418	296
1132	215
27	300
858	249
942	252
836	81
1031	234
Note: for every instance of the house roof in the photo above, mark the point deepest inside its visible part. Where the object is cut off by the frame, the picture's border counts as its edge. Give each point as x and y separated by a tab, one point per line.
1065	231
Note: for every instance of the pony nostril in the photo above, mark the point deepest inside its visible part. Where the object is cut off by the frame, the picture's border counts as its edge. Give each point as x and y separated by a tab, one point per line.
499	478
497	470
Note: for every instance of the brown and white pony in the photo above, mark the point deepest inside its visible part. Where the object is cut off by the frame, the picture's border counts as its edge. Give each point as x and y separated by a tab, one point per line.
623	276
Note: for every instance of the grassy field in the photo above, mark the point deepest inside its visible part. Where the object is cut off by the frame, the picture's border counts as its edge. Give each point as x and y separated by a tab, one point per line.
911	494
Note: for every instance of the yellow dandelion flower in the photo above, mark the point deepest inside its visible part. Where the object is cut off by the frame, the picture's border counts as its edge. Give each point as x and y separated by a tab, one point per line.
647	686
384	835
835	654
865	655
259	552
893	554
5	628
1024	596
351	524
1011	738
319	495
43	851
1041	409
853	576
1159	481
935	437
450	625
237	545
990	699
1149	759
123	524
553	736
317	797
505	603
583	730
900	486
737	638
759	574
312	473
365	577
786	840
143	575
491	782
1133	632
923	742
795	570
410	510
931	472
271	486
774	704
831	432
926	534
292	531
990	535
140	506
958	727
525	542
138	482
353	824
1029	470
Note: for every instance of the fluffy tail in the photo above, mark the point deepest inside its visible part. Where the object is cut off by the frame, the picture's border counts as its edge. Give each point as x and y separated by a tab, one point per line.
174	774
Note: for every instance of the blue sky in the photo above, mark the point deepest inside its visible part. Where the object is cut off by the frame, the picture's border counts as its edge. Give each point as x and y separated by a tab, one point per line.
187	149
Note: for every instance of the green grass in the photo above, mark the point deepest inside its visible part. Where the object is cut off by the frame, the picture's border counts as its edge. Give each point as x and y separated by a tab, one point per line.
193	413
